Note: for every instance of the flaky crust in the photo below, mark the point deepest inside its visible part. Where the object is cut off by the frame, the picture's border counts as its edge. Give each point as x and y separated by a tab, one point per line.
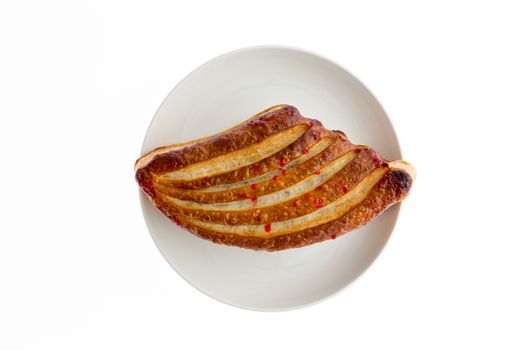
273	182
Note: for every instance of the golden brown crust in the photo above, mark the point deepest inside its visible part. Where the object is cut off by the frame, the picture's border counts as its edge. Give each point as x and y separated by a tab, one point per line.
249	133
292	152
393	187
313	197
148	156
364	163
283	179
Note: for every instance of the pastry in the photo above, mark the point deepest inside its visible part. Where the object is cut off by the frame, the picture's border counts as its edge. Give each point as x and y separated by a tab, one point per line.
276	181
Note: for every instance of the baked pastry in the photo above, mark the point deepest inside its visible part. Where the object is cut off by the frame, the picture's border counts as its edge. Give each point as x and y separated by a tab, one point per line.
276	181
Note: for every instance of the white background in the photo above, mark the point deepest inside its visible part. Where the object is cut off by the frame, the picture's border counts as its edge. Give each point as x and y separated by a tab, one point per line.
79	83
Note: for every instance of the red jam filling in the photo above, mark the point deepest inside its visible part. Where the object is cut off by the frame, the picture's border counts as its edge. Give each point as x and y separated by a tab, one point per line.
378	160
275	178
257	169
282	162
334	236
284	172
268	227
306	150
295	203
253	186
177	221
318	202
317	172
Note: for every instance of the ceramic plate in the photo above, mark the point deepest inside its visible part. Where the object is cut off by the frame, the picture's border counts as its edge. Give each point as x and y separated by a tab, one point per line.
225	91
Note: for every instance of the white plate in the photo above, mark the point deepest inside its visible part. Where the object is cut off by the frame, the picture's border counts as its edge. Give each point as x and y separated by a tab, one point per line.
222	93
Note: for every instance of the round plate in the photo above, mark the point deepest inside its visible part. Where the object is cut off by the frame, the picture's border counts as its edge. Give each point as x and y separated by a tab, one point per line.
224	92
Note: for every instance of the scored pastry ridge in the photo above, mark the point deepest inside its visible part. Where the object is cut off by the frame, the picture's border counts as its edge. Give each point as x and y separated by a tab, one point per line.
276	181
